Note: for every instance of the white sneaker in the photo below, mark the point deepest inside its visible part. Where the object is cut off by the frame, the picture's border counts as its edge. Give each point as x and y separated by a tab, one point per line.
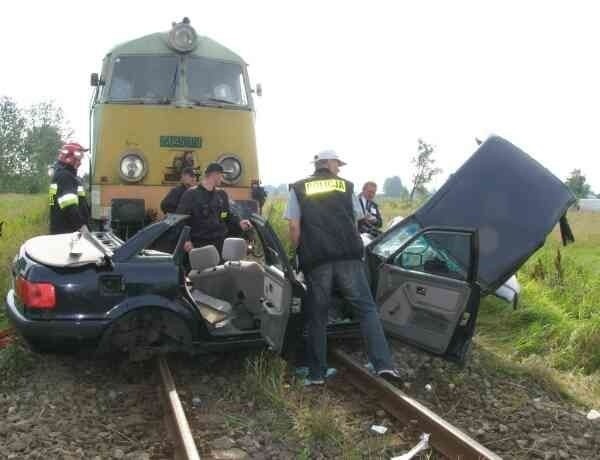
389	374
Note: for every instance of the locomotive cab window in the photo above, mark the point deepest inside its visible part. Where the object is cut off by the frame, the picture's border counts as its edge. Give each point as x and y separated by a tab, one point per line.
211	81
151	78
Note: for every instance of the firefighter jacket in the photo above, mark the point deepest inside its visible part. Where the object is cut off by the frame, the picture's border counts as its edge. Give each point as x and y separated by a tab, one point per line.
69	209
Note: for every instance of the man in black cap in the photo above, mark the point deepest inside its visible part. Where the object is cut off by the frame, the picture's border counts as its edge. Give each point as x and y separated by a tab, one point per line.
211	217
171	201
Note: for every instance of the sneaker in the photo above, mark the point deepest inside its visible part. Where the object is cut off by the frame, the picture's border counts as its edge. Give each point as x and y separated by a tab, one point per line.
370	367
302	372
308	382
391	375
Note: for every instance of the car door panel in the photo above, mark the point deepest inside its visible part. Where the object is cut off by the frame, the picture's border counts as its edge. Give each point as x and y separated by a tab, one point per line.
419	308
275	308
426	287
278	300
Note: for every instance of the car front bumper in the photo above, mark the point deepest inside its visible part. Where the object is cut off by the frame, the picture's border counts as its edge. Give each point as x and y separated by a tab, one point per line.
52	331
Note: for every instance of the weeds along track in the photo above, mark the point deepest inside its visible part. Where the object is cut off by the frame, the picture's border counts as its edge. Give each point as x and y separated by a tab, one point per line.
445	438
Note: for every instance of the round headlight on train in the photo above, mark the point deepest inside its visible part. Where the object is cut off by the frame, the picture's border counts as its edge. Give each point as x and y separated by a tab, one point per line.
132	167
182	36
232	167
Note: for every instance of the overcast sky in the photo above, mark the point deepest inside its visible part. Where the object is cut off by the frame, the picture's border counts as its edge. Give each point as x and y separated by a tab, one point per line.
365	78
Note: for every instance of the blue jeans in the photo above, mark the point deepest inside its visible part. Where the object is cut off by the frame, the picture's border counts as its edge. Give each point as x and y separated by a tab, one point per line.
349	277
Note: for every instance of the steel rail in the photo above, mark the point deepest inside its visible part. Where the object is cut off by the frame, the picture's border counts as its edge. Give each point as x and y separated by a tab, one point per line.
445	437
185	446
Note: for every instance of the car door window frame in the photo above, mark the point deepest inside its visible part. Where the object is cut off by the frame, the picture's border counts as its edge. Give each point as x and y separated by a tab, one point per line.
474	250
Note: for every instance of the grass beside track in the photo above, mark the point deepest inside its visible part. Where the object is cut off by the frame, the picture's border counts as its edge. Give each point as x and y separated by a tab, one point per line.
24	216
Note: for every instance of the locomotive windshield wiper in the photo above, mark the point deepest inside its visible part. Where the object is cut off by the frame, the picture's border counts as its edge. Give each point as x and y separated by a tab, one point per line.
211	101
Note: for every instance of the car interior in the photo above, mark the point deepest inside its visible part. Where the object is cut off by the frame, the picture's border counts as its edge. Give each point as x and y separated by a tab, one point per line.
230	290
233	288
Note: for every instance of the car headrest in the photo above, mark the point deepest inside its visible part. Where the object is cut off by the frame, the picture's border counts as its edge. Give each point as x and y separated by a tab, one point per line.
234	249
204	257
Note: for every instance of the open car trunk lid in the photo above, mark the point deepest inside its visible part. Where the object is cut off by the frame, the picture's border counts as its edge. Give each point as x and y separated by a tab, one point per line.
511	199
63	250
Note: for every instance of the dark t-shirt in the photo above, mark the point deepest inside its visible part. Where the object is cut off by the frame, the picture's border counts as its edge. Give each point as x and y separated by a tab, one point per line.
211	218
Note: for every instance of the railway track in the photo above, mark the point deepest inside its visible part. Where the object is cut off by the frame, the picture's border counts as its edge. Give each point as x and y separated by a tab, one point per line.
176	421
445	438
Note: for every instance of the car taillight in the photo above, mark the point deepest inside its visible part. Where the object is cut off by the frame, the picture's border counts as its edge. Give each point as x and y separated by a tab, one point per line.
36	295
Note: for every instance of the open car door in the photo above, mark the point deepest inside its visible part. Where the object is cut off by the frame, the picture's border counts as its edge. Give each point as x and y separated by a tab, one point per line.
278	301
427	288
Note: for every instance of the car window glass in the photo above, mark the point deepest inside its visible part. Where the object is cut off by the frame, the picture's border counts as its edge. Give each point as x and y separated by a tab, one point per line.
394	239
438	253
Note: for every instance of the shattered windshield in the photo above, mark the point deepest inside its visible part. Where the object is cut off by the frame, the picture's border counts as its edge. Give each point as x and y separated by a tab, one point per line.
143	78
215	82
391	242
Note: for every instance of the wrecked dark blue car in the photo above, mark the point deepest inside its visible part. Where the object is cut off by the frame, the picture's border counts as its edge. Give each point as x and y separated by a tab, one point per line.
428	273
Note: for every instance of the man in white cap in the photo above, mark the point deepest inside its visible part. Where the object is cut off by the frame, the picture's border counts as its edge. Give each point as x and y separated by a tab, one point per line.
322	211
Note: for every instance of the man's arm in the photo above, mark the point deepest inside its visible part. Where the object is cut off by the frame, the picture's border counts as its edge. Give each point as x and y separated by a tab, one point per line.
232	220
294	227
171	201
292	214
186	204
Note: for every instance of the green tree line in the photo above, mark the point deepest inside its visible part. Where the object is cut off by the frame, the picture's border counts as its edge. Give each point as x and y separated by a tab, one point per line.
29	141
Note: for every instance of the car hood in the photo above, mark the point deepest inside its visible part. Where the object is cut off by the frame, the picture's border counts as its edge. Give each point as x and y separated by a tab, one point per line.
511	199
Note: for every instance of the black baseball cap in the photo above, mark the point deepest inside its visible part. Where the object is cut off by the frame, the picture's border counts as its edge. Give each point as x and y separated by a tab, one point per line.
213	167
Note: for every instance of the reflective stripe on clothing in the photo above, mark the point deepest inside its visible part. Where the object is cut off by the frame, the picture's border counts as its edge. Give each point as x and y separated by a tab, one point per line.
80	191
68	199
324	186
292	209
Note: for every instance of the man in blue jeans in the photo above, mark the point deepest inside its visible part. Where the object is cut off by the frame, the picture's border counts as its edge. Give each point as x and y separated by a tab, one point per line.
322	211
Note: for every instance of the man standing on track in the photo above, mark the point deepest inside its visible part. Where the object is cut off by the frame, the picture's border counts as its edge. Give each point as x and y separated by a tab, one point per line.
322	211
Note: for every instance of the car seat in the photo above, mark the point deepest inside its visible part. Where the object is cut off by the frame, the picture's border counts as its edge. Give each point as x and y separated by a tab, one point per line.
211	304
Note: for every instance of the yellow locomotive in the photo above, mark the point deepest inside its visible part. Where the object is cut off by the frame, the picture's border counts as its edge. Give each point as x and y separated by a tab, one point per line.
163	102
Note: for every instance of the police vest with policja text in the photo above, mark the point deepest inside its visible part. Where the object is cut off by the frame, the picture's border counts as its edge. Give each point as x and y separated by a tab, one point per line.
327	223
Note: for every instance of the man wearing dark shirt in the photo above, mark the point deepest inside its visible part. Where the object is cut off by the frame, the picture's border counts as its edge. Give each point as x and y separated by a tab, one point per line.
211	218
171	201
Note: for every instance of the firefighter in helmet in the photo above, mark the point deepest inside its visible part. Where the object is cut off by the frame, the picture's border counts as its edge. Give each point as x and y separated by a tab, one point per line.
69	209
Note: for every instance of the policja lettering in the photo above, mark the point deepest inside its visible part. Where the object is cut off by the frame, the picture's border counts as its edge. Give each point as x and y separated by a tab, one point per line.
324	186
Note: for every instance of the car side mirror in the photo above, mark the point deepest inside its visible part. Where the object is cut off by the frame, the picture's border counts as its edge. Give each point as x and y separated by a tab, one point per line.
258	90
411	260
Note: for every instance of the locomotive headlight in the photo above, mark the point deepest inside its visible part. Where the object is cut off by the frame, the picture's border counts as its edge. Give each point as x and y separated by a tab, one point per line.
232	167
182	36
132	167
